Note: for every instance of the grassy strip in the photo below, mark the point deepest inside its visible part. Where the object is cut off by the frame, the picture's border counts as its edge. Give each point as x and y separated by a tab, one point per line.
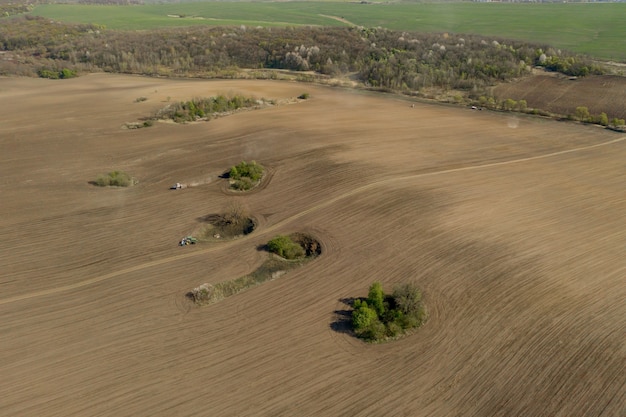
269	270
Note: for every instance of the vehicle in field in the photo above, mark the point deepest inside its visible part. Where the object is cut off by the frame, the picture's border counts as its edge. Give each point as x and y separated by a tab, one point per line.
187	240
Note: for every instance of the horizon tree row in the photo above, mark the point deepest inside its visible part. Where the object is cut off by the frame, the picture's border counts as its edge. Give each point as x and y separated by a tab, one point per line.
380	58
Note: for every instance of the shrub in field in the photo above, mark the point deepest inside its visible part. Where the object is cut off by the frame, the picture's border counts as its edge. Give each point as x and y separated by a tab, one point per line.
245	175
114	179
67	73
201	294
285	247
242	184
55	75
379	316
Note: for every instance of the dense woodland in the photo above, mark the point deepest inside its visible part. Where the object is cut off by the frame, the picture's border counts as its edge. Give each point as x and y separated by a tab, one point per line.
378	58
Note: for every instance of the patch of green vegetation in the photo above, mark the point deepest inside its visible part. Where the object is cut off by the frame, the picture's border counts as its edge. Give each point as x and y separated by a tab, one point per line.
381	317
56	75
304	96
244	175
114	179
204	108
286	248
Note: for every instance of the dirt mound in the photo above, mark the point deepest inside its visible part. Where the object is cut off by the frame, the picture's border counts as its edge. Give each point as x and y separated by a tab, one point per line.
226	226
310	245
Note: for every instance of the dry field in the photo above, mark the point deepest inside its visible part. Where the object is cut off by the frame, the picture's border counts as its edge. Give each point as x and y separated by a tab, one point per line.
560	94
514	227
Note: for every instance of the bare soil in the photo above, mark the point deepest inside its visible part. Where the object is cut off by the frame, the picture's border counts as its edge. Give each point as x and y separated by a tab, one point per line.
560	94
514	228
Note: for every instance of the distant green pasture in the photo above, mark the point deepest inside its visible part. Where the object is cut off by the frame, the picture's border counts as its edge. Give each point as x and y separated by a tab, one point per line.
596	29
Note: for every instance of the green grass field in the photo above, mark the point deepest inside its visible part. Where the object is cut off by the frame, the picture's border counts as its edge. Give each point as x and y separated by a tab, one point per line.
595	29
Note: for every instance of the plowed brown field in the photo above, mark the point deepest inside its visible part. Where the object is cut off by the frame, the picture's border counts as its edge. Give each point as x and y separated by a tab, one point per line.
560	94
514	227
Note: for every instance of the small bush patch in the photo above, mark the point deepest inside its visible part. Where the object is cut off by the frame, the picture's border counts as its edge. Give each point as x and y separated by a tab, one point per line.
114	179
245	176
285	247
55	75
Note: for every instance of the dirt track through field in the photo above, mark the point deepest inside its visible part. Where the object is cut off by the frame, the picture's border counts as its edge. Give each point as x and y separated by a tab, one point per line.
292	218
514	228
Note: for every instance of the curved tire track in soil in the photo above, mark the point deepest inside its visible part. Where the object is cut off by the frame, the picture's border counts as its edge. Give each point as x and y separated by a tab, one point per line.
281	223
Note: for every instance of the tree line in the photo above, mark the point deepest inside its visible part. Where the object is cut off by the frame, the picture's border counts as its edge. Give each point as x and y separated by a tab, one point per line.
379	58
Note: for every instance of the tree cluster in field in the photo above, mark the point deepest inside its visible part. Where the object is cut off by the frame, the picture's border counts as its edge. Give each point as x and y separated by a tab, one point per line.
245	175
203	108
567	65
114	179
381	58
381	316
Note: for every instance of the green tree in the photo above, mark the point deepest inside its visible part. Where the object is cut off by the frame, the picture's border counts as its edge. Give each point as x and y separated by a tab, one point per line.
582	113
604	119
67	73
509	104
363	316
376	298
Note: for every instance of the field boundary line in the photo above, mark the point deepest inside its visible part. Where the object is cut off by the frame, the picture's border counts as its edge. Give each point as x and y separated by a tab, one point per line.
296	216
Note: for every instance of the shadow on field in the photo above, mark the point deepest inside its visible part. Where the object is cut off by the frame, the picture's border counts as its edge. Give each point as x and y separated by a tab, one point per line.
342	322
